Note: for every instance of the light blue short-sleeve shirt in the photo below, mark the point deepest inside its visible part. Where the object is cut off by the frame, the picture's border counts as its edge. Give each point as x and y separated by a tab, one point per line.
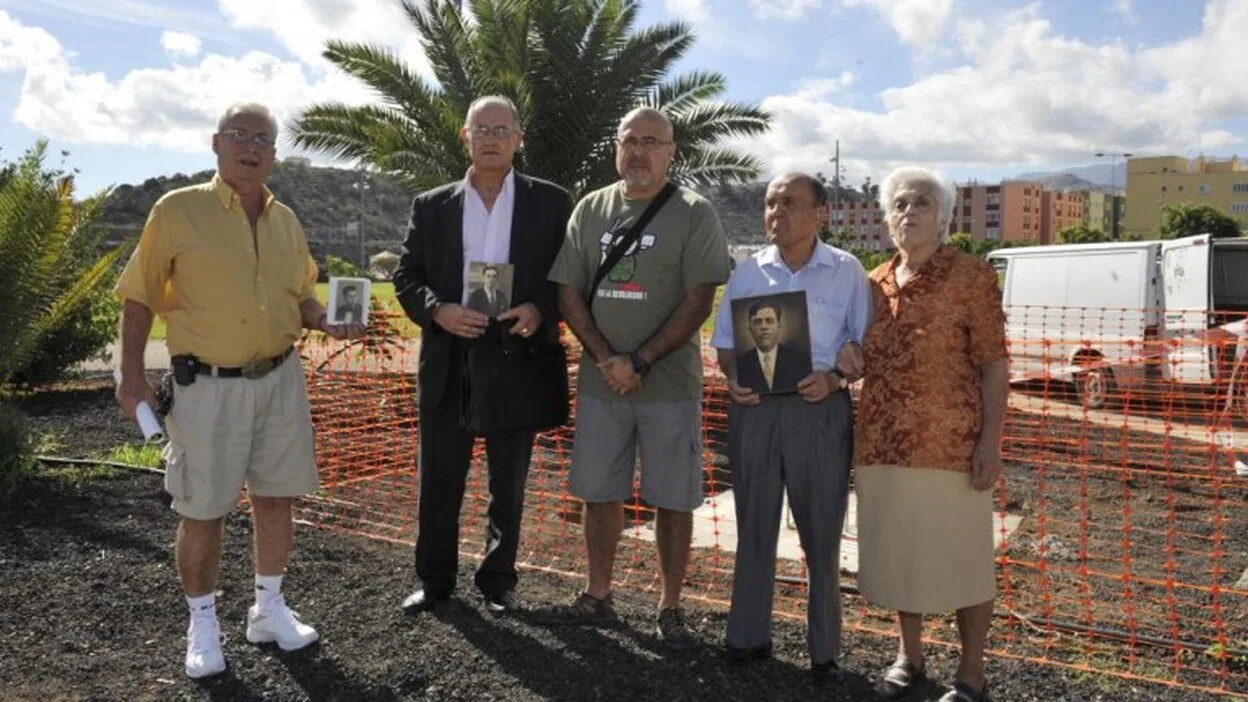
838	297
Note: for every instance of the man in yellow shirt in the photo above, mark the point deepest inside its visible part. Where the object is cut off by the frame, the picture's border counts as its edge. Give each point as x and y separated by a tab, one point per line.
227	267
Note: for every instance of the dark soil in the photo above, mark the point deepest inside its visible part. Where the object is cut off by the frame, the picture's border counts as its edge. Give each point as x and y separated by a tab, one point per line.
90	609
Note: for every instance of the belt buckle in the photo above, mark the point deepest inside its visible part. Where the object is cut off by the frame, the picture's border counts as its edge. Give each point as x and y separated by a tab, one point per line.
258	369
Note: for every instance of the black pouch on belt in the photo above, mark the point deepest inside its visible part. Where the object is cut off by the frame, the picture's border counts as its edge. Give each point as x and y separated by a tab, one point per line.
184	369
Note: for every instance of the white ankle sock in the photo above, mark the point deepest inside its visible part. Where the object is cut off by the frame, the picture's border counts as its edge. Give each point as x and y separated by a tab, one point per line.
268	587
205	606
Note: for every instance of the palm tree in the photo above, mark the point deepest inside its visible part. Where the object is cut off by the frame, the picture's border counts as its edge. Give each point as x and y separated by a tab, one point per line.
573	67
43	232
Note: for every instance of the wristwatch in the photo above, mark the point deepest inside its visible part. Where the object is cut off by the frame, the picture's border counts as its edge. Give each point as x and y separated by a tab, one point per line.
640	367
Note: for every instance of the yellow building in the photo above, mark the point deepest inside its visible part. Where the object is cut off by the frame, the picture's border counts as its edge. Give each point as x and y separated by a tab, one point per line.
1173	180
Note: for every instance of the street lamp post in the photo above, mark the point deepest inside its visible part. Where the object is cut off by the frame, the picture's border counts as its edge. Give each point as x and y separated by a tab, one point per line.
362	185
1113	180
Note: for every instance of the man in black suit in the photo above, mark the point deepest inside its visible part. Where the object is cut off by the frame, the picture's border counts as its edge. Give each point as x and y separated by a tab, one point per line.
770	366
488	299
349	311
495	215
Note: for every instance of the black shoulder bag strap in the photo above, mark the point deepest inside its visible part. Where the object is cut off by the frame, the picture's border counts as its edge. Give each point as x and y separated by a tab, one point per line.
625	242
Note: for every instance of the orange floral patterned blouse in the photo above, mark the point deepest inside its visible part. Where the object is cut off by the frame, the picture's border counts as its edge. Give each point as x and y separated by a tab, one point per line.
921	405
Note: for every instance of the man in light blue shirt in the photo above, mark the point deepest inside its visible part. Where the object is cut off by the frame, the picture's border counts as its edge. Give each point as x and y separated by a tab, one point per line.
801	441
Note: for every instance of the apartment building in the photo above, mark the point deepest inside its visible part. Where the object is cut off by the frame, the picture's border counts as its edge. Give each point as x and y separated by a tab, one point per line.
1153	182
1060	210
1098	211
1011	211
863	221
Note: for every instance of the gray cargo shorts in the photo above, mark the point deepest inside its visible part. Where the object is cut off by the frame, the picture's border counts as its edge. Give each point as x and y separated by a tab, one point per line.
604	454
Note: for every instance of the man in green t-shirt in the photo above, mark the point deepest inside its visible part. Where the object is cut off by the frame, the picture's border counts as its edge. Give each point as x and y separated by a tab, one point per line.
640	383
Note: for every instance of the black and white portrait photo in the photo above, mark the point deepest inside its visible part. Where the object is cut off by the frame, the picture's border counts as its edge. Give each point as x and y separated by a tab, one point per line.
772	342
348	300
489	287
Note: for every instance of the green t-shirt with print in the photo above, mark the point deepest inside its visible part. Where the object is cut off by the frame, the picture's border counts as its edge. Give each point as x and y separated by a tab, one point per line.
682	247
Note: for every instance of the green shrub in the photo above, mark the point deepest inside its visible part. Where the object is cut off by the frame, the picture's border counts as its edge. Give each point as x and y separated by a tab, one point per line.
50	268
85	336
17	452
342	268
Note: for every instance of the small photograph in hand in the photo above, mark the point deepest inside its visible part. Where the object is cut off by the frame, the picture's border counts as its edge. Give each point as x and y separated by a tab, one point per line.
488	288
348	300
772	342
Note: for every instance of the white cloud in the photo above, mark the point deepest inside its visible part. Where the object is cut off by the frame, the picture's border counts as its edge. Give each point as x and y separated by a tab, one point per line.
783	9
1027	95
304	26
692	10
1125	8
180	44
174	108
915	21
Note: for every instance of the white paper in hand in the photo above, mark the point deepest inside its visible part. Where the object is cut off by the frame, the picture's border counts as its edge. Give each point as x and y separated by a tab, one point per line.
148	423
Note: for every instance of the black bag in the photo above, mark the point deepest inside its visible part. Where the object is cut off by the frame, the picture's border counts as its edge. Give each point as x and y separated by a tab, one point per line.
511	383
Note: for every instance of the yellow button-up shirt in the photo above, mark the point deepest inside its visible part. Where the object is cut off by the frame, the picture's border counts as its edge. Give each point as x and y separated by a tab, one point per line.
198	268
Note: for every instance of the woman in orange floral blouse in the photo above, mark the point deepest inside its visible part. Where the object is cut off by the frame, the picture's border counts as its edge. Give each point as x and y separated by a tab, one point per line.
928	434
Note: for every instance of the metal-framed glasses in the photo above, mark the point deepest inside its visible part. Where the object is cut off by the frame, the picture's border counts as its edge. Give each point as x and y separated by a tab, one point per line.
502	131
259	140
645	143
920	203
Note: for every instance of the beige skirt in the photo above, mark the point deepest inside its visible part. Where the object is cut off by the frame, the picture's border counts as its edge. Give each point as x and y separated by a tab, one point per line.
924	539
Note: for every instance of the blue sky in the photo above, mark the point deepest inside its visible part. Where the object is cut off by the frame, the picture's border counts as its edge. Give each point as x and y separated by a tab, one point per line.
976	88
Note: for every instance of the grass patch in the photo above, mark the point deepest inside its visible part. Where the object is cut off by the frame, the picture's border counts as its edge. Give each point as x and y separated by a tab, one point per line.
145	455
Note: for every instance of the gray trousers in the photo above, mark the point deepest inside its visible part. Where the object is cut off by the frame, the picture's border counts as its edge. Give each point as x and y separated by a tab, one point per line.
785	442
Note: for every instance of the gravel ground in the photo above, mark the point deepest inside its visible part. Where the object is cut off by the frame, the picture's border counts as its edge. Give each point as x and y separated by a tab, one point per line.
90	609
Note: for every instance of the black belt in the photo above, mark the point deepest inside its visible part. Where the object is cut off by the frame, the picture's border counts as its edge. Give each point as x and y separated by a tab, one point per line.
253	370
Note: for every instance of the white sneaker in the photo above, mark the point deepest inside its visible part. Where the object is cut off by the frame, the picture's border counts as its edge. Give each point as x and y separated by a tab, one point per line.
1241	469
278	623
203	648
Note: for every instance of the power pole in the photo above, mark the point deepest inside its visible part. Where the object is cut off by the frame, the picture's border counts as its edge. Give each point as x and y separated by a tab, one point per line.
836	188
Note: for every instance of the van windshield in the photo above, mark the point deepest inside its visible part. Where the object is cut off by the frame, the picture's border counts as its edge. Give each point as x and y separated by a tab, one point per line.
1230	277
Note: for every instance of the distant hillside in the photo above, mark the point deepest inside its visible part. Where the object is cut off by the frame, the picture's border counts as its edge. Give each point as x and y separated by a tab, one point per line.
1100	177
326	200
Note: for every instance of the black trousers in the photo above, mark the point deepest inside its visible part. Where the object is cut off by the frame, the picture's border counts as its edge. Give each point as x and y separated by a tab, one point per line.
445	456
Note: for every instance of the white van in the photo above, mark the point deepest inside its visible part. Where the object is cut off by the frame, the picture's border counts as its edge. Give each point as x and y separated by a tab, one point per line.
1092	313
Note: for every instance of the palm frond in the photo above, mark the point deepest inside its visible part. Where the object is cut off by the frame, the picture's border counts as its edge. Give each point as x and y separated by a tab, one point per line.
711	166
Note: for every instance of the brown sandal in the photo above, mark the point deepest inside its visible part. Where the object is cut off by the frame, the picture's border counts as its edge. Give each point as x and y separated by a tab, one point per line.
899	680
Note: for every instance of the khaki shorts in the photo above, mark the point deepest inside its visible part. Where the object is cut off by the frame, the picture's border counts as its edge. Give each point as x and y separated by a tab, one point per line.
227	431
609	434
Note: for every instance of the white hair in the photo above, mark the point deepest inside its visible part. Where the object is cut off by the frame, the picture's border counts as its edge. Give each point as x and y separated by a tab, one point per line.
915	175
500	101
647	113
248	108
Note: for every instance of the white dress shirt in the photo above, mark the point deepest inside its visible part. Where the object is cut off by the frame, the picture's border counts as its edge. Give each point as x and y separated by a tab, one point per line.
487	233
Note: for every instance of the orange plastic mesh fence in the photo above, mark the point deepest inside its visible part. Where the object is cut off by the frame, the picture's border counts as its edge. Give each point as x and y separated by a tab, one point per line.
1121	530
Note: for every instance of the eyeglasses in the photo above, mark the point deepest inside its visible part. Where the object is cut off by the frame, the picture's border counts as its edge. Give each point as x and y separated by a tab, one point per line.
242	136
921	203
645	143
502	131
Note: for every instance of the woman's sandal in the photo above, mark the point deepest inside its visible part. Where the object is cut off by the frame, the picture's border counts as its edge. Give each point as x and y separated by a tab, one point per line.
962	692
899	680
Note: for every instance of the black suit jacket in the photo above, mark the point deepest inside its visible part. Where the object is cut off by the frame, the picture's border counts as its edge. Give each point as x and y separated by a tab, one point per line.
479	301
431	269
356	311
792	365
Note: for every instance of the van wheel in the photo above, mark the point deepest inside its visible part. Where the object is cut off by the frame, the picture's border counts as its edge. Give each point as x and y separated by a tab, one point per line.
1096	388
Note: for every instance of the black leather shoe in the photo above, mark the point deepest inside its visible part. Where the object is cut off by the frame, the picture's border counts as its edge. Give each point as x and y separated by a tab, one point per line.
502	602
422	601
741	656
827	673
